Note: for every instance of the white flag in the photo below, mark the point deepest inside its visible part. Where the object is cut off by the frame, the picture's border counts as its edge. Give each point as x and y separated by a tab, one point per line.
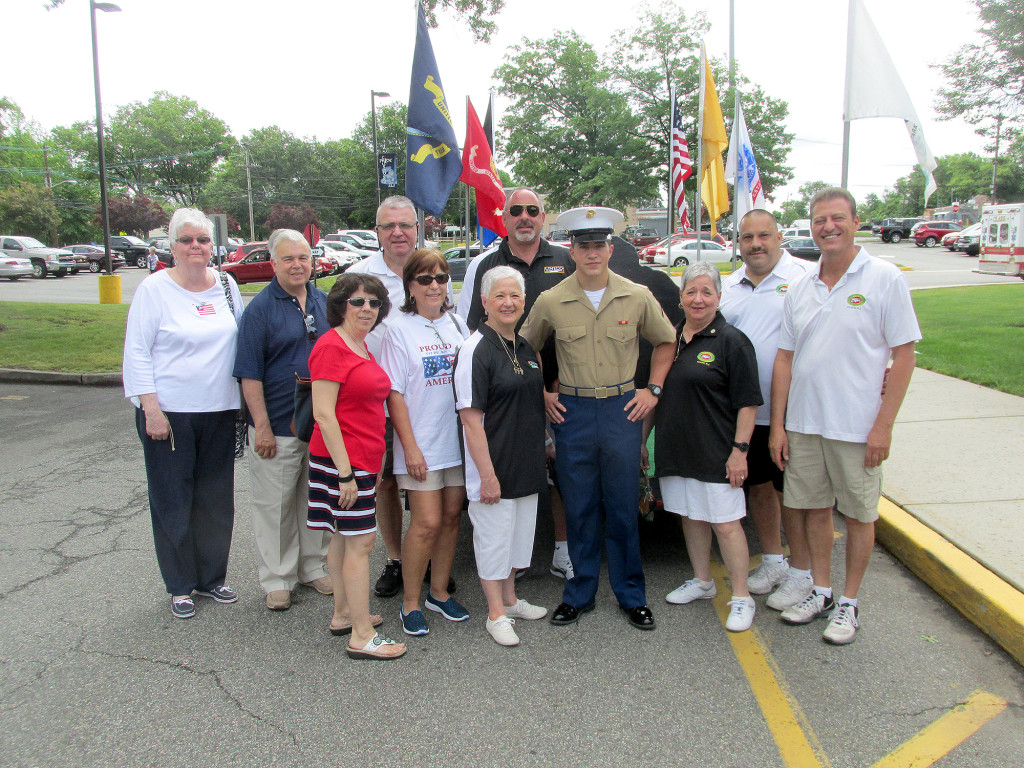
874	87
749	193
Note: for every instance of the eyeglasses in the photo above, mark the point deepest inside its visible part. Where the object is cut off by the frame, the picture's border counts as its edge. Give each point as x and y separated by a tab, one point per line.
310	322
187	240
403	225
358	302
517	210
440	277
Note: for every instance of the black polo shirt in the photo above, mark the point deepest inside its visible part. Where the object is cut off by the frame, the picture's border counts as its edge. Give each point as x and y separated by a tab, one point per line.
513	407
711	378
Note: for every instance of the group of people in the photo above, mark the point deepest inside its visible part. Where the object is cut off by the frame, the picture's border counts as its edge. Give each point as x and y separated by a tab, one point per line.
533	398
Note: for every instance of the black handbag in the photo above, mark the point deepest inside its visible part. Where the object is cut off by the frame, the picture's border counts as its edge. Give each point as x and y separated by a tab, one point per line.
241	425
302	416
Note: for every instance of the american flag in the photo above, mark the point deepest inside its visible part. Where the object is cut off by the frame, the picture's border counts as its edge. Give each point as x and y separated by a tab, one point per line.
206	308
682	165
437	365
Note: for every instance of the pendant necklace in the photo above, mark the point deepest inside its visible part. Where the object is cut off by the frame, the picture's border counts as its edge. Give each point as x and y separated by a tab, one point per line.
512	357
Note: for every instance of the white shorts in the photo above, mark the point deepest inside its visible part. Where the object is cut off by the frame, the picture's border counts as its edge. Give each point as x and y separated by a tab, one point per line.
503	535
697	500
436	479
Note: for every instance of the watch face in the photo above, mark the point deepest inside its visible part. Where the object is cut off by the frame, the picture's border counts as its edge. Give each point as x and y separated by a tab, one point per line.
655	390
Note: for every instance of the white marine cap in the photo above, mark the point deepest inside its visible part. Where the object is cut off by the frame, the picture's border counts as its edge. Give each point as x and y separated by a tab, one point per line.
590	223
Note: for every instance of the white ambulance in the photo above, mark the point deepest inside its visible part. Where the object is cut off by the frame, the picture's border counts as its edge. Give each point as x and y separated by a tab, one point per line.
1002	240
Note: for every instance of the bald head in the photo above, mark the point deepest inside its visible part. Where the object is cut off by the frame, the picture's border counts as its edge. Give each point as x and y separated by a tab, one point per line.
760	242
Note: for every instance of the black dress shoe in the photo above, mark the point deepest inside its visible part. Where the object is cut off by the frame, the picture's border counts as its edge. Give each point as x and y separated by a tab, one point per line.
568	614
451	581
640	617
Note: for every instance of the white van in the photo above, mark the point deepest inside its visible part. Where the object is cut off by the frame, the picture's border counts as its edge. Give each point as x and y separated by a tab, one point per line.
796	232
1002	240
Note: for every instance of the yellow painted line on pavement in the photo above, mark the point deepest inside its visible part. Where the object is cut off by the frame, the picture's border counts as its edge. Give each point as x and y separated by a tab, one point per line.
795	739
946	733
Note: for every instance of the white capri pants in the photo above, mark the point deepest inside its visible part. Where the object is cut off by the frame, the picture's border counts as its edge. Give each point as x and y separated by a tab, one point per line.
503	535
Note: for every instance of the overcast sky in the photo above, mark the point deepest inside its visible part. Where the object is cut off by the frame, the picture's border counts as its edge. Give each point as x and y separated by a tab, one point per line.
309	65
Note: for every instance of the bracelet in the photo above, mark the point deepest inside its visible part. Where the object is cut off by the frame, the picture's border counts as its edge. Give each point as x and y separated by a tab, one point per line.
347	478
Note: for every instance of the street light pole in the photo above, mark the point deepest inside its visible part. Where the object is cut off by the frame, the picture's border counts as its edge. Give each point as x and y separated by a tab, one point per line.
104	206
376	160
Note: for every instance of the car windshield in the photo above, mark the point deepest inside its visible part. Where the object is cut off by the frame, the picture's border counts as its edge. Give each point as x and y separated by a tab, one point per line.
31	242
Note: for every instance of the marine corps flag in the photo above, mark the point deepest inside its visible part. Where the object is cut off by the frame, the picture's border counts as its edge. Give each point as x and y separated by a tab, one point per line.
479	172
433	165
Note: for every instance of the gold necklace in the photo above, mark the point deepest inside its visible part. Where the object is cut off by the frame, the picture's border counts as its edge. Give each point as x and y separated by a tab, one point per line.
353	346
512	357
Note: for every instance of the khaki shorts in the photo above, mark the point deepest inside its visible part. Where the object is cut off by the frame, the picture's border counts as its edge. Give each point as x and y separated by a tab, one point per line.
436	479
823	472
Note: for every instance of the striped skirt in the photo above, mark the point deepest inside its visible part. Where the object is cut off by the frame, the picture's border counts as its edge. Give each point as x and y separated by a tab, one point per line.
324	512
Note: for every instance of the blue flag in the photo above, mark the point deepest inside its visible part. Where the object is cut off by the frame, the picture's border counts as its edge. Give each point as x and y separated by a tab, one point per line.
433	163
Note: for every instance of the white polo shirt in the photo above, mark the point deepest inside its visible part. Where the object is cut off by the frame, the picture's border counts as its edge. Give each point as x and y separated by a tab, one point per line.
841	341
757	311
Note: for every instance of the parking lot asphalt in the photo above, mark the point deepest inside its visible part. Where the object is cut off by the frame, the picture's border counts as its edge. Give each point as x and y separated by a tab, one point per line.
97	672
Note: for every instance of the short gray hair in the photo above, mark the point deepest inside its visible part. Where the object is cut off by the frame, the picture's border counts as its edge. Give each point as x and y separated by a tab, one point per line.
394	201
493	275
279	236
702	269
184	217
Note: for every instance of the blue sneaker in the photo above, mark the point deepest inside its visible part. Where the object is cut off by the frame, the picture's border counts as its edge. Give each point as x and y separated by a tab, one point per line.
450	609
222	594
413	623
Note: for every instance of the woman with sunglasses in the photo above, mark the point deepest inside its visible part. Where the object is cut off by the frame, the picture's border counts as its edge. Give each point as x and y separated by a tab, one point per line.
347	453
418	354
179	349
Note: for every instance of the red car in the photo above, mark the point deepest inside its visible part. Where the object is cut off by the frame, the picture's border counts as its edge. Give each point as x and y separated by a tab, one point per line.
256	267
928	233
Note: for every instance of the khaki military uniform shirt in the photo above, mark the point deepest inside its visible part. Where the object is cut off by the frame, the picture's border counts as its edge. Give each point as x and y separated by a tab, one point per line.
597	348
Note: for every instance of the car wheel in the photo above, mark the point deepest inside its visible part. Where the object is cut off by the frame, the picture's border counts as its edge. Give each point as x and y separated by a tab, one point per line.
60	273
951	248
930	242
94	266
895	237
140	262
973	249
680	261
14	279
38	270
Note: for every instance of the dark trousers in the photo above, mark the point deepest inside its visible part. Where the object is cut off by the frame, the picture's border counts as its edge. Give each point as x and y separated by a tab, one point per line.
191	497
598	463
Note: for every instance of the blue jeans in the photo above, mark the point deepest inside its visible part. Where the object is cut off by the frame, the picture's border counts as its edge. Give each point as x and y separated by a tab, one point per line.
598	462
191	497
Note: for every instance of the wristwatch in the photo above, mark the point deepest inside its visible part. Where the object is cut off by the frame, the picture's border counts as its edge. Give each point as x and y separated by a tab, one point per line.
655	389
743	447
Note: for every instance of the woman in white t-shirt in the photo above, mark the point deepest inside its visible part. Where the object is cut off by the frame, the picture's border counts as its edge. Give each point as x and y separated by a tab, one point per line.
179	350
418	354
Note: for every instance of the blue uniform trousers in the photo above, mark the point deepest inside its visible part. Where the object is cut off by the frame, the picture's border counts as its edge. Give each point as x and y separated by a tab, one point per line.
598	463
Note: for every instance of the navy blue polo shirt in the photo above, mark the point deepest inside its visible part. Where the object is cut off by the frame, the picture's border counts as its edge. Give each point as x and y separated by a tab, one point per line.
273	345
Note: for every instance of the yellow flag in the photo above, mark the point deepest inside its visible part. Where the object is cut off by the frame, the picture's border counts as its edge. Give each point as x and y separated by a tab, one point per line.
714	140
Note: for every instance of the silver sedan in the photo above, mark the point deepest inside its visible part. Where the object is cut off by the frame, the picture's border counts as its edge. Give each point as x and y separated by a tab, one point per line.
15	267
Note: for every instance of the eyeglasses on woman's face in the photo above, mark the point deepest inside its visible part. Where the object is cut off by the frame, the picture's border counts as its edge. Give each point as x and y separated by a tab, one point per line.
187	240
441	278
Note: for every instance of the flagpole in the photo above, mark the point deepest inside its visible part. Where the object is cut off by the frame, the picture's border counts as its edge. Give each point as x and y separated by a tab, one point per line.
671	191
464	184
700	143
845	173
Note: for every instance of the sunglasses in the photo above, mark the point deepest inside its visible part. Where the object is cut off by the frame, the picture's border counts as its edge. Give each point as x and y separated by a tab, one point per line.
358	302
517	210
310	322
440	277
187	240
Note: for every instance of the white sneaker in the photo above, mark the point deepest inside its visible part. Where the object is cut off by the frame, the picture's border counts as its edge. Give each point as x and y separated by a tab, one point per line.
807	610
842	625
561	565
501	630
767	576
689	591
742	614
523	610
794	589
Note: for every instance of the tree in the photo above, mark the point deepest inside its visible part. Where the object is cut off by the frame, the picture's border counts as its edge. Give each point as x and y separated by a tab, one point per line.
77	203
28	209
134	215
21	150
799	208
286	217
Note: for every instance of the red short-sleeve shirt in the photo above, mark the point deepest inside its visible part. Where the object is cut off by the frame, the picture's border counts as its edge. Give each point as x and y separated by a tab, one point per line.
360	407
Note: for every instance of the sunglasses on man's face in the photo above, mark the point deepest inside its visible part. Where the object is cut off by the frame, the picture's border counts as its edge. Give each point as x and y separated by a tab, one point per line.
440	277
358	302
187	240
517	210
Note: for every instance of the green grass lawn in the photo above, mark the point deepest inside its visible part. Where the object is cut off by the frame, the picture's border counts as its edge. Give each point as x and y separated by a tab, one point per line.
974	333
83	338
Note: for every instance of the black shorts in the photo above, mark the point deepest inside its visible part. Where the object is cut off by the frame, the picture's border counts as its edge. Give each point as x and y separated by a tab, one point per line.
760	467
388	469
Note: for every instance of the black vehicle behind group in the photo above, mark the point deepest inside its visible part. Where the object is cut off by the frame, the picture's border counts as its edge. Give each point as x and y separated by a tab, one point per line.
135	250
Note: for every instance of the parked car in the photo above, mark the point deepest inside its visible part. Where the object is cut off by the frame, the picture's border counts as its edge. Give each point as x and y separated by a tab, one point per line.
684	251
256	267
927	234
368	236
163	247
792	232
356	242
45	261
640	236
135	250
343	254
803	248
559	237
96	257
15	267
968	237
456	258
949	241
894	230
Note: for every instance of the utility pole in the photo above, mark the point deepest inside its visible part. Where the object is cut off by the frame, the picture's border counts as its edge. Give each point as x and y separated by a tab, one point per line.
995	160
248	186
49	186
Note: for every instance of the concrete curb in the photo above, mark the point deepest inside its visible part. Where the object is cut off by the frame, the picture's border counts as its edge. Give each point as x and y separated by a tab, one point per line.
17	376
988	602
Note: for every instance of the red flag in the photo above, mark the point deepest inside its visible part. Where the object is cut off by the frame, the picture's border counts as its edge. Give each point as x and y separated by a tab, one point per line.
479	172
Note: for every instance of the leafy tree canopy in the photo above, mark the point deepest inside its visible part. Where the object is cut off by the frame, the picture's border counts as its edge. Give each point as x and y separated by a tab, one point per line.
28	209
134	215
